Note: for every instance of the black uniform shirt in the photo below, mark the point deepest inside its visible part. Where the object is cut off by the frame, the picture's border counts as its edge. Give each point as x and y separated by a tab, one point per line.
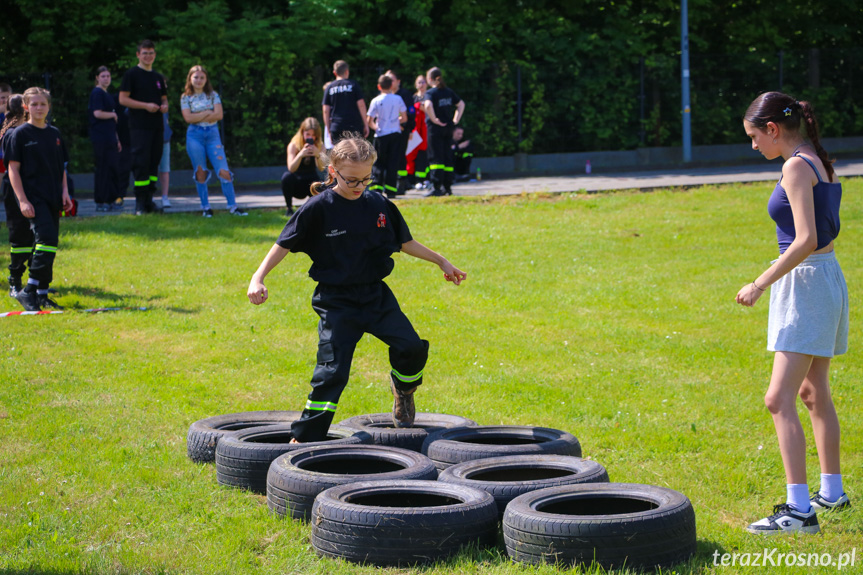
144	86
342	97
349	241
408	98
43	159
101	130
444	101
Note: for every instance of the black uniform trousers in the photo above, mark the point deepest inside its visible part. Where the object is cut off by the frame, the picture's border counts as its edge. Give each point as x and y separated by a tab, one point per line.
401	153
46	235
441	157
106	182
20	237
297	185
385	170
146	156
347	312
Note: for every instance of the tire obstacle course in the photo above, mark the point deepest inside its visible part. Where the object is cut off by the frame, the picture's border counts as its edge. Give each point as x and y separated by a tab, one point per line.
394	497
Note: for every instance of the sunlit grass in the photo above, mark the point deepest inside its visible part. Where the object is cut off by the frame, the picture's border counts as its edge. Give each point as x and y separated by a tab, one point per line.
610	316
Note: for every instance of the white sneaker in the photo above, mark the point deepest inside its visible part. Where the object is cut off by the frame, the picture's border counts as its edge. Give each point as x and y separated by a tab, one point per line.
786	519
820	504
166	203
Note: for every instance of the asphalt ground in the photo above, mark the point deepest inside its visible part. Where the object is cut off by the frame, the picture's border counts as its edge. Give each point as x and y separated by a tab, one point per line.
258	197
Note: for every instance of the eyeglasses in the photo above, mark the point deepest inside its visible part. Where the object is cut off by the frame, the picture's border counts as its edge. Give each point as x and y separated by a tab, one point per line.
356	183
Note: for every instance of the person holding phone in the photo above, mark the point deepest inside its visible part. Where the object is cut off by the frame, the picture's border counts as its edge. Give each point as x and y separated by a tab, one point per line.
305	162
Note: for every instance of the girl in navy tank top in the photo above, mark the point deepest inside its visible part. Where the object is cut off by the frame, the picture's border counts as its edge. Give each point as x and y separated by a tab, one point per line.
808	321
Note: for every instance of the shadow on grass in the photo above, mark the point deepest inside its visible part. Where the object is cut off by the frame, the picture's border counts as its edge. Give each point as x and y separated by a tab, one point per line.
260	227
119	301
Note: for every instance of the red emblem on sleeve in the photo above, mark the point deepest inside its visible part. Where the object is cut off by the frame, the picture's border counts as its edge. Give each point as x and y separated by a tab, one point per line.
382	220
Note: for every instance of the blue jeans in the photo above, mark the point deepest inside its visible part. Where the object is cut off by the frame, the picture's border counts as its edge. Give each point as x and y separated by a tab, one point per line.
203	142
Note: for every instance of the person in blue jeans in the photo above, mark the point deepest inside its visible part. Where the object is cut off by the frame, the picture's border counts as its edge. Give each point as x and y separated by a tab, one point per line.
202	109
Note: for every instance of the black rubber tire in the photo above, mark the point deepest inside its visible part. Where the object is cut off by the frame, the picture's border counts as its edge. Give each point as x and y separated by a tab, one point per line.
641	526
401	522
450	446
380	427
243	457
204	435
297	477
510	476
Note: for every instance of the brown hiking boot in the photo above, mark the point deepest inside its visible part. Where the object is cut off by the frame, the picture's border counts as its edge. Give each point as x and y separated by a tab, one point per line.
404	409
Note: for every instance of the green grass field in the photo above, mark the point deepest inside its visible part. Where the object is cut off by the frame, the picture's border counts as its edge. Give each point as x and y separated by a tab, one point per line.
609	316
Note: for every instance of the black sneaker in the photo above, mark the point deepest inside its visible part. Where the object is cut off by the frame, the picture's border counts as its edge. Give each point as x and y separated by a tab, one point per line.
289	212
208	213
433	192
786	519
102	207
820	504
29	300
238	212
46	302
404	410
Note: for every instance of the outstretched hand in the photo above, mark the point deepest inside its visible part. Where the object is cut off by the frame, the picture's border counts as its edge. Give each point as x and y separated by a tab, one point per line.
452	273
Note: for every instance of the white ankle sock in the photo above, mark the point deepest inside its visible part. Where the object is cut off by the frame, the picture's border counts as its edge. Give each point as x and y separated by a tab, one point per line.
831	486
798	496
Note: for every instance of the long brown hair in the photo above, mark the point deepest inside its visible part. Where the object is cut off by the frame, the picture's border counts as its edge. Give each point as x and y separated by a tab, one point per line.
435	75
299	142
16	114
353	149
189	90
787	112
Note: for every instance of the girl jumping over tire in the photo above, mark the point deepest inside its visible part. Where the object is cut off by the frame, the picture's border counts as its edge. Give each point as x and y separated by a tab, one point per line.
350	233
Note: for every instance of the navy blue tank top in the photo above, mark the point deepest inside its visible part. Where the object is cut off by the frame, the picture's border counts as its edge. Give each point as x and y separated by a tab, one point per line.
827	198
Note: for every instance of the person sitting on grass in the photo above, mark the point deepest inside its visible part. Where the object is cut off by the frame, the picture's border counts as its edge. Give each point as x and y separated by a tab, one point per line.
350	234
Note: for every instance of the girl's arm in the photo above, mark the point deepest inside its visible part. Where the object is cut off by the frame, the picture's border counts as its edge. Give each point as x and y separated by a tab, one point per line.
450	272
296	156
216	114
67	200
102	115
428	108
195	117
459	112
18	187
797	181
257	290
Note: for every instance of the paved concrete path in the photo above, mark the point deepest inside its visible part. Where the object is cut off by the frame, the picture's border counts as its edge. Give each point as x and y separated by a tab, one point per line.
643	180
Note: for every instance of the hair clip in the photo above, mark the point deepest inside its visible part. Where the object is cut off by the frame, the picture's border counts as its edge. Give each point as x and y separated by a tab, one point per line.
787	111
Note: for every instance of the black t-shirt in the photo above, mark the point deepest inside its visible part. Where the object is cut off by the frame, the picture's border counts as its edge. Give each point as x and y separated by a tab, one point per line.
349	241
342	97
144	86
101	130
43	159
408	98
444	102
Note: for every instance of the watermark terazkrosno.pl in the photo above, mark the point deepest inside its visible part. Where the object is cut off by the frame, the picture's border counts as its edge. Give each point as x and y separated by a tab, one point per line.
775	558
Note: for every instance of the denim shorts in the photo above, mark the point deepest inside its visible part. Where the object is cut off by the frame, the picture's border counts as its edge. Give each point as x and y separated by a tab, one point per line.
809	309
